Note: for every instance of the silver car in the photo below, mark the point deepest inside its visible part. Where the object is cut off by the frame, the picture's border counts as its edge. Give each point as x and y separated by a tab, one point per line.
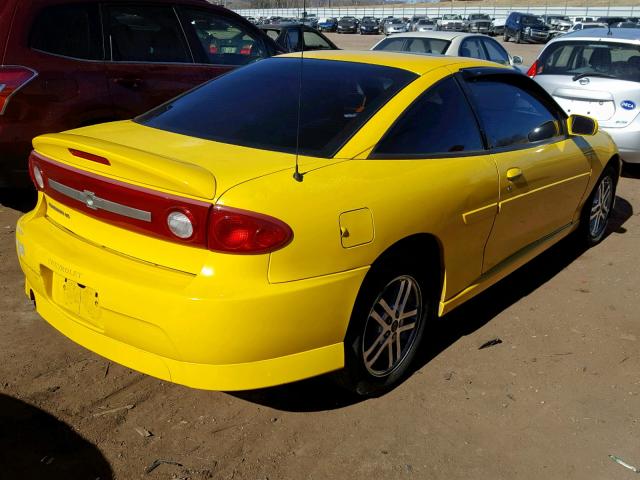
449	43
424	25
596	72
395	25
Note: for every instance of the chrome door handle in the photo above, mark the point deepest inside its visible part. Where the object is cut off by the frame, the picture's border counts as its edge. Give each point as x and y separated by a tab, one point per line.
514	173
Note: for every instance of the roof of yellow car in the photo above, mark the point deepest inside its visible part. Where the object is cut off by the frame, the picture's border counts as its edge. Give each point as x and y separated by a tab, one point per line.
416	63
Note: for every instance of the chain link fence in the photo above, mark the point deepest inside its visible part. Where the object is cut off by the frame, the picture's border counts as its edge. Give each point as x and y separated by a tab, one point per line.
436	11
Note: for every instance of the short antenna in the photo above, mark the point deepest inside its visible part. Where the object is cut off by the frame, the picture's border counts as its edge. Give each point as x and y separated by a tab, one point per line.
297	176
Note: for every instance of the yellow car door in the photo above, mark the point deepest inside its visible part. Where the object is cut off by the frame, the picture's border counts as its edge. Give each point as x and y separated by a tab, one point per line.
438	142
543	172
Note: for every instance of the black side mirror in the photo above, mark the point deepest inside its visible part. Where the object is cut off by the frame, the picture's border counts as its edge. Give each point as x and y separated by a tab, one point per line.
544	132
581	125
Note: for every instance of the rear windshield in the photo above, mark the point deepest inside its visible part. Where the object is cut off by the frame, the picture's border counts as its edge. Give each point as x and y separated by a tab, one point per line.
413	45
606	59
257	106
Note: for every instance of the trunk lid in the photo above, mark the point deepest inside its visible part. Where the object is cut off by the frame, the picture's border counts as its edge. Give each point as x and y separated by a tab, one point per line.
614	103
162	160
169	165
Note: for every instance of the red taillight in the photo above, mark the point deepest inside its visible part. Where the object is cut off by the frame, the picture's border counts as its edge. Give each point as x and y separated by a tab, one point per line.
213	50
13	79
169	217
246	49
533	70
238	231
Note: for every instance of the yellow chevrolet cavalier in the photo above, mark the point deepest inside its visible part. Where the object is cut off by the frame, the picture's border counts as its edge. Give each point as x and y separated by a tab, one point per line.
186	243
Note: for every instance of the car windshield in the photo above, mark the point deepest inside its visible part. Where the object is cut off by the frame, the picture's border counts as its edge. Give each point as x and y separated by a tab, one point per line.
425	22
413	45
336	99
396	21
607	59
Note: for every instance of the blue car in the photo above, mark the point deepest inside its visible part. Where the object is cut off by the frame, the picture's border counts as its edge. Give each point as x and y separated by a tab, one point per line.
328	24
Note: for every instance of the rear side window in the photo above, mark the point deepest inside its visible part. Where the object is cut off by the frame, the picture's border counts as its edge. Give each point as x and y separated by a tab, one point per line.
69	30
224	42
509	113
336	99
313	41
146	34
440	122
606	59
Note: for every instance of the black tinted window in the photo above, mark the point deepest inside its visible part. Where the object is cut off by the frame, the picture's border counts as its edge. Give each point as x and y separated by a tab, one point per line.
337	98
508	112
414	45
69	30
223	42
146	34
439	122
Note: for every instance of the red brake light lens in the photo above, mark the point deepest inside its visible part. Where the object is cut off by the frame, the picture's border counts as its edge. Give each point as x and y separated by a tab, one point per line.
533	70
89	156
238	231
13	79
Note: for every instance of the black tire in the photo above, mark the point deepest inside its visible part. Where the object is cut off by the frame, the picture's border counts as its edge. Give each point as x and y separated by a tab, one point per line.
364	373
602	202
519	37
505	37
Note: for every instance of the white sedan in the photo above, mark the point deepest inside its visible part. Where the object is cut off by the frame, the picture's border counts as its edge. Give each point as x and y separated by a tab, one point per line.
449	43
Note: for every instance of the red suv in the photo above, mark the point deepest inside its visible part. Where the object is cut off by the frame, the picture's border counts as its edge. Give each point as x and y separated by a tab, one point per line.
70	63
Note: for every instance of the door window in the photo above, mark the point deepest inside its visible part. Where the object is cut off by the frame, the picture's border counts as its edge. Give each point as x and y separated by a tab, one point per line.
69	30
439	122
495	51
313	41
510	114
472	48
224	42
146	34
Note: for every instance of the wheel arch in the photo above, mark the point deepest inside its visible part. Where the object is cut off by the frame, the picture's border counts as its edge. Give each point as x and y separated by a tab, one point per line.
425	248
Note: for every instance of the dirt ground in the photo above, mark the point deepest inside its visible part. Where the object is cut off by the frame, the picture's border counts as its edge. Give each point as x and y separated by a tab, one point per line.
553	400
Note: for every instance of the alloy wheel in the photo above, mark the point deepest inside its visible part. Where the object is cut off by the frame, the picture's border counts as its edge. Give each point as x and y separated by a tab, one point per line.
601	207
392	326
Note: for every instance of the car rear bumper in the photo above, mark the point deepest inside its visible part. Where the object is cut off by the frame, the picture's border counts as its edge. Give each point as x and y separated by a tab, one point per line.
628	141
159	321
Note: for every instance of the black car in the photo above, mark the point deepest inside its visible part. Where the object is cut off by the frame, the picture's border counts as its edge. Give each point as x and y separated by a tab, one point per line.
295	38
524	27
348	25
369	25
